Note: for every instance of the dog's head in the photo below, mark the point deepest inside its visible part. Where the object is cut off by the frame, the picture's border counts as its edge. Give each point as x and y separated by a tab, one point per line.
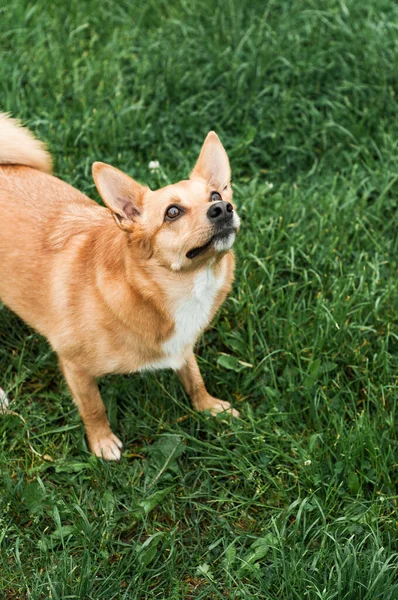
182	225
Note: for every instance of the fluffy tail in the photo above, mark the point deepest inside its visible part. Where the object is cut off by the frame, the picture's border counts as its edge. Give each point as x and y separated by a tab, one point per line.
18	146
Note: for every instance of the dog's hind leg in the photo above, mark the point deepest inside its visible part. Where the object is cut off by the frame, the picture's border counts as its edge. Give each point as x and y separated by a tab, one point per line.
84	389
194	385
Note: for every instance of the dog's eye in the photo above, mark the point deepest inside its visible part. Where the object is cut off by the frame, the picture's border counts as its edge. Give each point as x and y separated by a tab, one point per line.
173	212
215	197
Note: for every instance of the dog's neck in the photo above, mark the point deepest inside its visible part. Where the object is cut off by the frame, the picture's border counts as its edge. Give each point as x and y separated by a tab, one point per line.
123	270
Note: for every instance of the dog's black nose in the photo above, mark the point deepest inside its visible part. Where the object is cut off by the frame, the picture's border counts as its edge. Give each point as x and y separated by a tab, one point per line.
220	212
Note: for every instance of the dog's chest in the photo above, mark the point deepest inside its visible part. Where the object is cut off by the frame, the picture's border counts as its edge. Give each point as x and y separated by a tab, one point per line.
191	315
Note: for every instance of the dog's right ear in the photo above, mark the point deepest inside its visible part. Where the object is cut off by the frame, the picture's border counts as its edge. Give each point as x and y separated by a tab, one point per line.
121	194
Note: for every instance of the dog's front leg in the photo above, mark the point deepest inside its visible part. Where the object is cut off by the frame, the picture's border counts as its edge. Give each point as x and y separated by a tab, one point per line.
86	395
194	385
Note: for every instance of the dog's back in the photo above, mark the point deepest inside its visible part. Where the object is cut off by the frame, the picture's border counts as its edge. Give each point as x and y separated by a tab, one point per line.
38	214
24	162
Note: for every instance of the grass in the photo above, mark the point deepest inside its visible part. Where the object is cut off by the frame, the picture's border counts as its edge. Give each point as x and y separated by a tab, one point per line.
298	498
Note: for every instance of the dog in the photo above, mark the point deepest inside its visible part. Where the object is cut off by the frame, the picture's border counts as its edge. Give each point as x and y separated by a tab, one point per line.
117	289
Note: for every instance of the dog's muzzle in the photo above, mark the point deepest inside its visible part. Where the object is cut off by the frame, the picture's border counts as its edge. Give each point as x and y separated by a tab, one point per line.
225	227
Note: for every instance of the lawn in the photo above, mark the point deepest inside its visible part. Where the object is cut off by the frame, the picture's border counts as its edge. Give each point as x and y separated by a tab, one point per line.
297	499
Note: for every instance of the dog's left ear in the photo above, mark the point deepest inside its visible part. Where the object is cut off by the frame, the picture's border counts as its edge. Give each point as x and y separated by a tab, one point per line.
122	195
213	164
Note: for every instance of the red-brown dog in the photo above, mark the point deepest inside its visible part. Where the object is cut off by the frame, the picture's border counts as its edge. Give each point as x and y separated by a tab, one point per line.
119	289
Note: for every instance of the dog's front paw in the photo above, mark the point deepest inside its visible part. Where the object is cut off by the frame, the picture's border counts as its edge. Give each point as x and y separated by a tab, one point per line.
214	405
106	446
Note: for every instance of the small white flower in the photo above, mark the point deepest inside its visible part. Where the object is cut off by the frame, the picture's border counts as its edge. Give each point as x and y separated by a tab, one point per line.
270	185
307	463
154	165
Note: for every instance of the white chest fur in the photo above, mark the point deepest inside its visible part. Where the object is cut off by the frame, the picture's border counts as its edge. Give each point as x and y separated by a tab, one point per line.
191	315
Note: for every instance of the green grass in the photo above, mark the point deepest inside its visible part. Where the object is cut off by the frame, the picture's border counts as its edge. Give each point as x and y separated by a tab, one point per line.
298	498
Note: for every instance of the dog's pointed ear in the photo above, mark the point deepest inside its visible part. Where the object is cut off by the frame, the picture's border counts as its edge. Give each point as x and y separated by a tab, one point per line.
213	164
121	194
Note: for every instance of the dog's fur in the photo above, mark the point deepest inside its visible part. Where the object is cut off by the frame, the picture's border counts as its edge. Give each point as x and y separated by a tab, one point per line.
113	289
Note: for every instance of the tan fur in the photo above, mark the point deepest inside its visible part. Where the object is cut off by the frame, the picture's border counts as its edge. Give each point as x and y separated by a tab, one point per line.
18	146
104	285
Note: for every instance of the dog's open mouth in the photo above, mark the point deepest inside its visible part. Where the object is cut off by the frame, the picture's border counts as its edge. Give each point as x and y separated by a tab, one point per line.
219	240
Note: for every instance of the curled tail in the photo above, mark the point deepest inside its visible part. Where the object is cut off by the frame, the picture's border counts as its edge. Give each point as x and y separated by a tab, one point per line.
18	146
